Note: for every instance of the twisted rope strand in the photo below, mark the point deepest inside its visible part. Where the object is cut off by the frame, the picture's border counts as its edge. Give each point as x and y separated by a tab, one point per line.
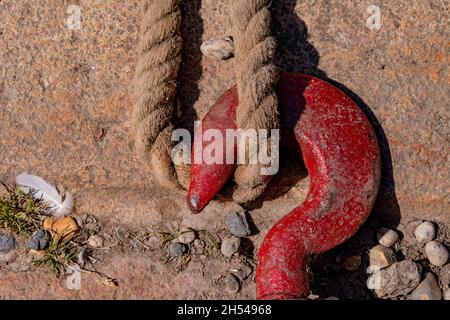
155	86
256	80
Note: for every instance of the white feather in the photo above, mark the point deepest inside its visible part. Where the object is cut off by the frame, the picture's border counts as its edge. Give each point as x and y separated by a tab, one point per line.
41	189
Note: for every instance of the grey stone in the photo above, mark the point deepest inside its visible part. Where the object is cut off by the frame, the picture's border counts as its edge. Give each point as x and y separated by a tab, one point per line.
7	243
230	245
176	249
38	240
436	253
134	243
425	232
397	280
237	224
221	48
187	236
428	289
381	257
232	284
387	237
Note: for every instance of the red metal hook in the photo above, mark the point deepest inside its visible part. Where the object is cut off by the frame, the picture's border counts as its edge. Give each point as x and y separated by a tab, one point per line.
341	153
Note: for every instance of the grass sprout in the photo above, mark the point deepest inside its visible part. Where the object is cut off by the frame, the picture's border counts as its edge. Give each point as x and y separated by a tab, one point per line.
57	256
19	212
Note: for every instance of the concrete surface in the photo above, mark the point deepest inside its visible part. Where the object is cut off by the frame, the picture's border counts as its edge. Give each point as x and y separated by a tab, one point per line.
65	104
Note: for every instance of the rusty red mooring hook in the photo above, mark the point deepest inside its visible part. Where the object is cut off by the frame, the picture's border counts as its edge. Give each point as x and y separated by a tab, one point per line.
341	153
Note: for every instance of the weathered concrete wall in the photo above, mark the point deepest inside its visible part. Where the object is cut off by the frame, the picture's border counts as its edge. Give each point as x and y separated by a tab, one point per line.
64	94
65	104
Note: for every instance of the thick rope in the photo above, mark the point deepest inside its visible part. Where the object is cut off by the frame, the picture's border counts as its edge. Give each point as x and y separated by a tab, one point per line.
155	86
256	80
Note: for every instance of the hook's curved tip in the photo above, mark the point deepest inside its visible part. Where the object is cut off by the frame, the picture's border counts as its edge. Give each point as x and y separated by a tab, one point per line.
193	204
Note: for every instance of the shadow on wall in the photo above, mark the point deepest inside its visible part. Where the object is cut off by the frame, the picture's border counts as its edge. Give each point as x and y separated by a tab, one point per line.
192	30
295	53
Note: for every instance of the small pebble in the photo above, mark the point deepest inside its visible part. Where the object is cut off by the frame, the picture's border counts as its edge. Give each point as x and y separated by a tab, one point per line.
387	237
245	271
38	240
447	294
425	232
81	257
73	279
7	243
232	284
221	48
230	245
381	257
176	249
187	236
8	256
313	296
198	247
436	253
134	243
352	263
428	289
96	241
237	224
153	243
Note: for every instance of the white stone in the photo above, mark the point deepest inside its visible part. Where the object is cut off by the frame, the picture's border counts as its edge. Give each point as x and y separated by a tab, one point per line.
73	279
95	241
186	236
436	253
220	48
387	237
425	232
